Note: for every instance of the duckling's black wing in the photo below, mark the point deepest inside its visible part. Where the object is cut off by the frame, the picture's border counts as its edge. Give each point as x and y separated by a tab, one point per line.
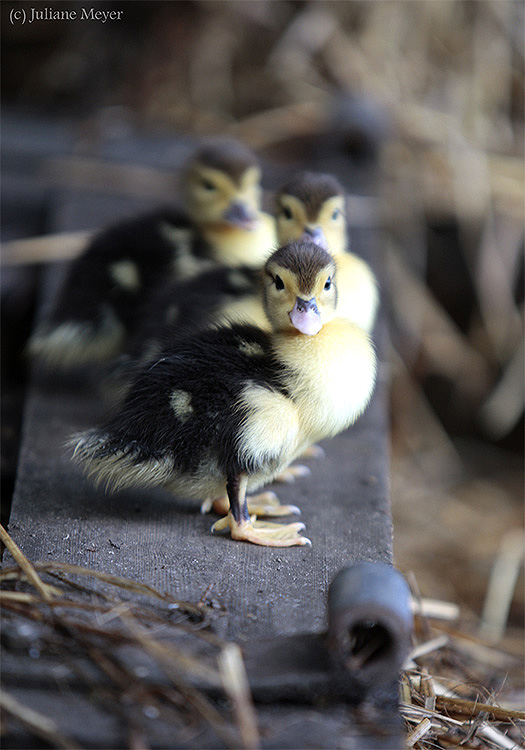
183	410
179	307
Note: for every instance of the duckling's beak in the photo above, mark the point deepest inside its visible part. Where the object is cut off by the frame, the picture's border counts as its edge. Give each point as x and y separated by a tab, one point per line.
305	316
315	234
241	216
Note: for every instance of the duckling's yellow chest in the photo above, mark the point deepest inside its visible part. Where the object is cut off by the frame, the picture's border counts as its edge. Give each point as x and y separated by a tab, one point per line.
330	376
234	247
358	292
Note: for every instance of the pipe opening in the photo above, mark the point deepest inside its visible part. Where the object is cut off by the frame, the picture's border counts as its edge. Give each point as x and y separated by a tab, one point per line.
368	643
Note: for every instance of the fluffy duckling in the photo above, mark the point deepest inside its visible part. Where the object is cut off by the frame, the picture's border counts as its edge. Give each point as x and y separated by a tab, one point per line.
312	205
98	308
226	410
222	196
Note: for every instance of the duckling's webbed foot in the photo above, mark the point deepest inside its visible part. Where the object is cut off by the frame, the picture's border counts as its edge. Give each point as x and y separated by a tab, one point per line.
265	533
267	505
291	473
313	451
263	505
299	471
245	528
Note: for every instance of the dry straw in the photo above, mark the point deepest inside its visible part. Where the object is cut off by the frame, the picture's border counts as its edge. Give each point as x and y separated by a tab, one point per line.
99	617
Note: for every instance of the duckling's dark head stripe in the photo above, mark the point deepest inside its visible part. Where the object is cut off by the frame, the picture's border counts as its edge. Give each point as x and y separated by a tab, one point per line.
312	189
304	259
226	155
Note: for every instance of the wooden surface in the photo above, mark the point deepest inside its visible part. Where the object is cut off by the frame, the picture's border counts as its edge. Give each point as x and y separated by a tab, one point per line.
165	541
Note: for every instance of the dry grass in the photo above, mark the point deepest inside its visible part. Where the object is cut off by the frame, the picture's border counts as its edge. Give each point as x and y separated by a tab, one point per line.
451	691
83	623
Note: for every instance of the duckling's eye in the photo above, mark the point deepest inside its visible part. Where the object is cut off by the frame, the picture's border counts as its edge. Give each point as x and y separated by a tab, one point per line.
286	212
328	283
279	283
208	185
336	214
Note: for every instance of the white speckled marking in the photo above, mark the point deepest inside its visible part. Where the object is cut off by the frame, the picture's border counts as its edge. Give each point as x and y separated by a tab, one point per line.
238	280
126	274
181	403
251	348
172	313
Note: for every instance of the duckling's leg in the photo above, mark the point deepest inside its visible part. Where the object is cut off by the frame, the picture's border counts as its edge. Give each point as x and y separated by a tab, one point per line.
242	527
263	505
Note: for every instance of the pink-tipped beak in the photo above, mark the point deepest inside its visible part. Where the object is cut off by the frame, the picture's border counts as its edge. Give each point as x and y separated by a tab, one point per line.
315	234
305	316
241	216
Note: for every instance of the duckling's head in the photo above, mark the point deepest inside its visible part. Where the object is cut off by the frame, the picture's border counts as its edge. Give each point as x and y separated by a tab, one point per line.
312	206
299	289
221	185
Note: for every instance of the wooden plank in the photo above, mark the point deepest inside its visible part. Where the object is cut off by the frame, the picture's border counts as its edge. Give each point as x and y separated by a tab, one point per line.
283	728
165	542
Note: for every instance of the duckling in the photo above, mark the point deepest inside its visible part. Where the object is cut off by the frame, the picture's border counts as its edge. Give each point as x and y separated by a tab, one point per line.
98	308
312	205
225	410
222	195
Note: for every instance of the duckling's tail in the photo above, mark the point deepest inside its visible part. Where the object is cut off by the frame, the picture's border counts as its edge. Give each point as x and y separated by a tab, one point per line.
114	466
71	344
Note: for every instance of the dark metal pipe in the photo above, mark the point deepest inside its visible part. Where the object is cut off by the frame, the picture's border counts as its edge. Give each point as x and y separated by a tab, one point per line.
369	628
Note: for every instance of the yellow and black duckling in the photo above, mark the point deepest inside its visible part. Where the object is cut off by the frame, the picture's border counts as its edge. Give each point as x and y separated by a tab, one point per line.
225	410
312	205
99	306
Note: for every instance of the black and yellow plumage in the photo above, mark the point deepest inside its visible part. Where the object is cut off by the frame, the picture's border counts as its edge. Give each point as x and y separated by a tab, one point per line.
225	410
182	306
100	305
311	205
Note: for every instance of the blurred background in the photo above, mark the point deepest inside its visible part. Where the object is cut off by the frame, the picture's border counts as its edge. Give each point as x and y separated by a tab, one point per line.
435	92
